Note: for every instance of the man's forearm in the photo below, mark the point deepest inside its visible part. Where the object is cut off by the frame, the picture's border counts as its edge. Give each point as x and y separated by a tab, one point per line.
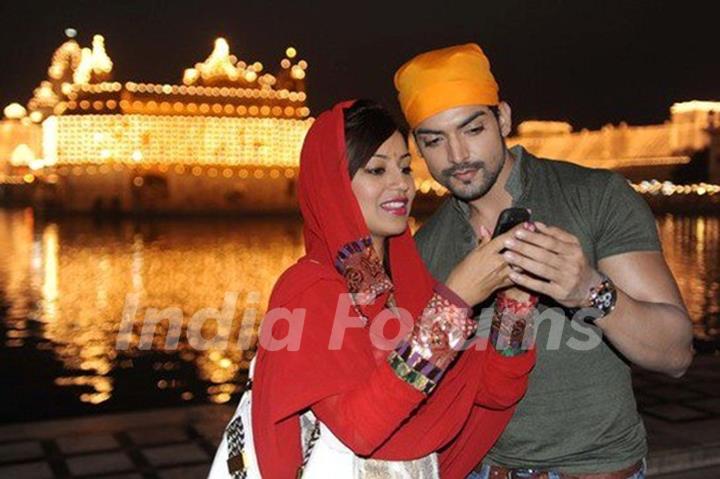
655	336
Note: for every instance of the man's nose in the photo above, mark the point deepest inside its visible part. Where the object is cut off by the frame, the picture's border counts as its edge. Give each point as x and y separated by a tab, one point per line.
457	150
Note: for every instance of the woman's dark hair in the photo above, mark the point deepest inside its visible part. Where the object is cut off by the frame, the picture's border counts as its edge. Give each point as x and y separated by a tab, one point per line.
367	126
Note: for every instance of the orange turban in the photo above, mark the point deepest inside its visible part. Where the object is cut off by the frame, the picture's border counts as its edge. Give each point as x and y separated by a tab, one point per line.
437	80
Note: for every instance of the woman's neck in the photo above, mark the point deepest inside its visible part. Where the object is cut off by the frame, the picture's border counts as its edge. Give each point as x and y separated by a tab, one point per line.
379	245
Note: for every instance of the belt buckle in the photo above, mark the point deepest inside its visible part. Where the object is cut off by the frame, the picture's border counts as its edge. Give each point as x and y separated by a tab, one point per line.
526	473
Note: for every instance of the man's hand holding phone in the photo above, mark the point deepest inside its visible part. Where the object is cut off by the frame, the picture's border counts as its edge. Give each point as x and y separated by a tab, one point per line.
551	261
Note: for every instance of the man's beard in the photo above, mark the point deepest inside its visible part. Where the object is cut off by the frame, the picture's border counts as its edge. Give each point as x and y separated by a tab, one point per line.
474	189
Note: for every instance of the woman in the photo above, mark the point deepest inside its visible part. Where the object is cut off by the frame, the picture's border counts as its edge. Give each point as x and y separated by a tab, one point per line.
392	405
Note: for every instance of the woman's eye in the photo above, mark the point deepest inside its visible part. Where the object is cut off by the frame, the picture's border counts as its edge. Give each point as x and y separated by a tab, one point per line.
375	171
407	170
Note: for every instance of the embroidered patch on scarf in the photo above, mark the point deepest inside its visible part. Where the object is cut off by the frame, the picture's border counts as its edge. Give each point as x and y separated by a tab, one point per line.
363	271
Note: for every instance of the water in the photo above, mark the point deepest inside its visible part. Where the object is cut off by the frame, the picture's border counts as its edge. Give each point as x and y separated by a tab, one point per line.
65	283
691	245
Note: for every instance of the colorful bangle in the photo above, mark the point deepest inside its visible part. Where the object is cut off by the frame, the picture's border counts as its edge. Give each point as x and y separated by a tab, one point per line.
433	344
511	320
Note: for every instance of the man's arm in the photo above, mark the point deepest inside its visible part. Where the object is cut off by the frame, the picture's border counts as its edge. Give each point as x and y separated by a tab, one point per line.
649	325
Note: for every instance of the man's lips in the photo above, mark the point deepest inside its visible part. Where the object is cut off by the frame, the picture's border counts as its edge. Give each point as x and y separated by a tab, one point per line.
395	206
465	174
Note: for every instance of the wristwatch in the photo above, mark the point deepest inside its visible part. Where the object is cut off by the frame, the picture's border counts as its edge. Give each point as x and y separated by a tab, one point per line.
602	298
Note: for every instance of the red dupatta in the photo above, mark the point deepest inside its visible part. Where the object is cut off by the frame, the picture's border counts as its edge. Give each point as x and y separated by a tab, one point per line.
286	383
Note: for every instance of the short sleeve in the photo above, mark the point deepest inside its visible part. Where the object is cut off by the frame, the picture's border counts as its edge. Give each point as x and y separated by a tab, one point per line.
625	222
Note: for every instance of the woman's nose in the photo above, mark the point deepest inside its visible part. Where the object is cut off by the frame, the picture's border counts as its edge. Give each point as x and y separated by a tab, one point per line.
400	183
398	180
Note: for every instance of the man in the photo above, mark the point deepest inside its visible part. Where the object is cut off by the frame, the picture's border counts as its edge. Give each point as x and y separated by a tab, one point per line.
595	245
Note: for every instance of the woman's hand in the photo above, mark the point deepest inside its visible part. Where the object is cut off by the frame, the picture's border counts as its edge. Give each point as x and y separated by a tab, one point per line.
483	270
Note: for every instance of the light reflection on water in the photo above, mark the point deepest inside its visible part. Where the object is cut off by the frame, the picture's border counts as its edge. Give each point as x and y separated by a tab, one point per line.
692	249
64	283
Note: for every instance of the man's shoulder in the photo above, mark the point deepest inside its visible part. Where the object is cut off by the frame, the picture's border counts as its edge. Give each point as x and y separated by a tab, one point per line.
572	175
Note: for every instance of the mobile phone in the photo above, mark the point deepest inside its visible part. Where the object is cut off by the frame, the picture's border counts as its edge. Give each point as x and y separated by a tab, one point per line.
509	218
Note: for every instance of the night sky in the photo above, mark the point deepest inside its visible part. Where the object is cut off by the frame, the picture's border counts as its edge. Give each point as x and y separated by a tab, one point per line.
588	63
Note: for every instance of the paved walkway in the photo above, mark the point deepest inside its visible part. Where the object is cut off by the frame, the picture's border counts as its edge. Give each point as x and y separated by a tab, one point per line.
682	417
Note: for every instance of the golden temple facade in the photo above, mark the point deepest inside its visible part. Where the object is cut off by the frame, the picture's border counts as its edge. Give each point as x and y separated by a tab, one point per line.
227	138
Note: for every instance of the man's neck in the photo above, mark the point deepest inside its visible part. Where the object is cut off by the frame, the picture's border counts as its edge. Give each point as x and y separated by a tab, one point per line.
484	211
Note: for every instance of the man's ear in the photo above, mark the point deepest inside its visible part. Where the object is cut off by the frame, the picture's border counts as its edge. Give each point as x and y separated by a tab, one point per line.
505	119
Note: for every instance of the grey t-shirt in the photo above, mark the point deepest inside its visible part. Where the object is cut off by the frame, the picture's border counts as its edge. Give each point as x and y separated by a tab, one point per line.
579	414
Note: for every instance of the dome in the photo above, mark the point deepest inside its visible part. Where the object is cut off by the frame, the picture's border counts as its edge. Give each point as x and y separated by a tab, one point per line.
15	111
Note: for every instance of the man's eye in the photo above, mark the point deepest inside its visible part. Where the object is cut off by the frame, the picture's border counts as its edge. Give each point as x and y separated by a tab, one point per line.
476	130
407	170
375	171
432	142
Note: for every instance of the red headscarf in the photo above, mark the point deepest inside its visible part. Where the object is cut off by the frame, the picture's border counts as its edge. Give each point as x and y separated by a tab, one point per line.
288	382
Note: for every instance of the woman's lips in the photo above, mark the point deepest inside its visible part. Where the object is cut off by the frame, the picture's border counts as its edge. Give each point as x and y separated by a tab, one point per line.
396	207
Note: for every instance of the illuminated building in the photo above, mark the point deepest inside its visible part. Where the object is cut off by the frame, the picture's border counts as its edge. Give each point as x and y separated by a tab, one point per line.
227	138
638	152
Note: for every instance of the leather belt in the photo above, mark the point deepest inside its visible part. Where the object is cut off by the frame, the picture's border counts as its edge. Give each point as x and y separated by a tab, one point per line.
499	472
